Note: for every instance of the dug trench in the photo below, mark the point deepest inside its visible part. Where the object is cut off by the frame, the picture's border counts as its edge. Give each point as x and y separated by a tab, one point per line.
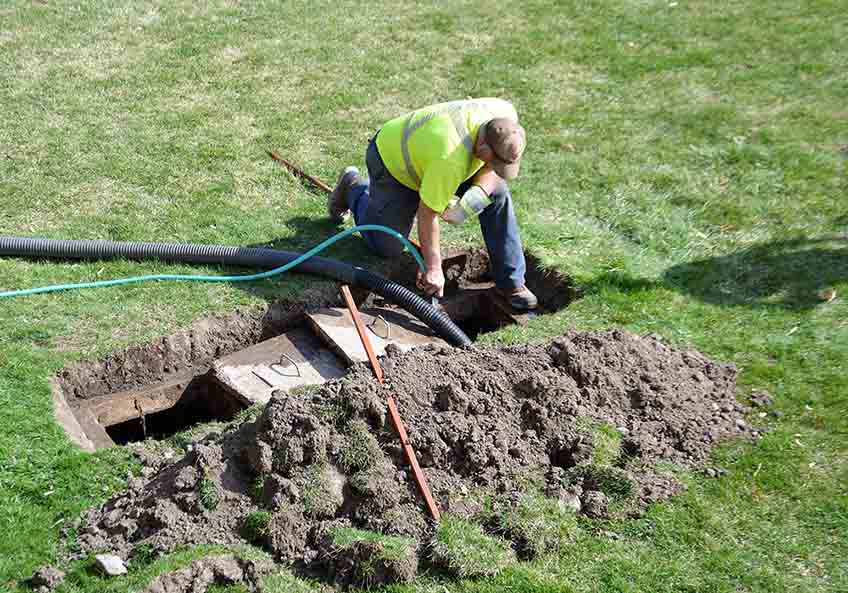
523	446
157	389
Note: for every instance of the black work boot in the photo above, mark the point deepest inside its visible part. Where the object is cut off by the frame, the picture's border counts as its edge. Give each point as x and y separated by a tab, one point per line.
337	207
520	298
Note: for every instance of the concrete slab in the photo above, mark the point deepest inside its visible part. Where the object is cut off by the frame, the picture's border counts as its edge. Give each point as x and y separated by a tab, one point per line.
293	359
385	326
115	408
98	436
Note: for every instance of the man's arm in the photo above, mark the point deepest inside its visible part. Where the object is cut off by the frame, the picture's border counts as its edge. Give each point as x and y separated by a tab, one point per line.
438	183
433	282
487	179
475	199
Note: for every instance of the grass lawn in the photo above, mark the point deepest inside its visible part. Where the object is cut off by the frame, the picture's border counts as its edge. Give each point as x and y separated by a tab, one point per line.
685	166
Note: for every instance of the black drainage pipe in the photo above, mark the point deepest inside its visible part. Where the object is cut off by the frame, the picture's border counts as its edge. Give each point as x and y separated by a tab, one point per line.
257	257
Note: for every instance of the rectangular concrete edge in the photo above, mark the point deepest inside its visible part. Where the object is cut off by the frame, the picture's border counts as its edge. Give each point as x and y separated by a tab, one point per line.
67	419
285	362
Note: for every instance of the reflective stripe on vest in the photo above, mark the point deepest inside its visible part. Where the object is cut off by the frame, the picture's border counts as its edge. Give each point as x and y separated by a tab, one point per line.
455	112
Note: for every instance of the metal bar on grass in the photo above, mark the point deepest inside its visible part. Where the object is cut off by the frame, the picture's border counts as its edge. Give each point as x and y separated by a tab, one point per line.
300	172
315	181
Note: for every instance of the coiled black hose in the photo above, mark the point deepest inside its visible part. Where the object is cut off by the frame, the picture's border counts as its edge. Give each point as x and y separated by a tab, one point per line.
257	257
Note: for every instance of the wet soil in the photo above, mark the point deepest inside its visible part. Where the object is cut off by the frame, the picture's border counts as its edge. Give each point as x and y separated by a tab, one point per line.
482	419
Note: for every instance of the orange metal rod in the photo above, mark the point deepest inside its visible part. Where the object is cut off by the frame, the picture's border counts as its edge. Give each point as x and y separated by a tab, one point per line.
314	181
360	329
394	414
300	172
420	479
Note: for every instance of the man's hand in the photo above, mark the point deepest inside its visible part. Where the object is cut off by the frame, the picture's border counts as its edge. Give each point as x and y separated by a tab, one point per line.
431	283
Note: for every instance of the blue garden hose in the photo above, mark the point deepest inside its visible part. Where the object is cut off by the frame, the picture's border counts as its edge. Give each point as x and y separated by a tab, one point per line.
279	261
240	278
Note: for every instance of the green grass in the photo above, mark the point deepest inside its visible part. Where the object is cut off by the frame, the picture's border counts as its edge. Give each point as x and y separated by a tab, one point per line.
255	526
538	524
465	550
367	557
208	494
685	166
616	483
285	582
321	492
606	441
391	548
361	450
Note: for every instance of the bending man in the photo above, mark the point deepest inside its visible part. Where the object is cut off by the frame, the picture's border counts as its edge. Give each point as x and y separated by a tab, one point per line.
448	161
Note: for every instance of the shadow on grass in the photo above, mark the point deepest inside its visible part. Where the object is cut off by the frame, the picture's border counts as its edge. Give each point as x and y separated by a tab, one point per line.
787	274
791	274
310	231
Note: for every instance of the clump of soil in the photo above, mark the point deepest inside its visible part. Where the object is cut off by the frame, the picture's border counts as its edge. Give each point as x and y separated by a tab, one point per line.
202	574
46	579
580	421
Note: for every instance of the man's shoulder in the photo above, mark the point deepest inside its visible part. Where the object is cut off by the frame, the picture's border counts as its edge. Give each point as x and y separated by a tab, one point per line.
491	107
488	103
494	103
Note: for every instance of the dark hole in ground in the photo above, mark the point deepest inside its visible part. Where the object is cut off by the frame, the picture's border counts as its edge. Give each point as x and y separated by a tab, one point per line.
476	312
469	299
475	326
203	401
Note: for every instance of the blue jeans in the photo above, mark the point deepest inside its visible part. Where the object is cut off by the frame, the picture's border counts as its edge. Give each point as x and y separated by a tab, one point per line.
382	199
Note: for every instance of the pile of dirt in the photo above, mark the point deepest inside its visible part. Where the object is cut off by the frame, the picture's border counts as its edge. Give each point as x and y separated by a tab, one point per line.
582	420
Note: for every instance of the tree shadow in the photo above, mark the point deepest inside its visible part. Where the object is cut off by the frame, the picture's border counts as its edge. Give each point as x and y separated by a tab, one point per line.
788	274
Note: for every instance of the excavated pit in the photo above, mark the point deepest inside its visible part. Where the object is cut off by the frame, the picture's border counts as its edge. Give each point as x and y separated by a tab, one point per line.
588	423
155	390
203	400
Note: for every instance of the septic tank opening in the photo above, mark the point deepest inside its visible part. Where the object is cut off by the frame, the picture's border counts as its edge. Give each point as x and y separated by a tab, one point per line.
202	401
469	270
472	302
156	411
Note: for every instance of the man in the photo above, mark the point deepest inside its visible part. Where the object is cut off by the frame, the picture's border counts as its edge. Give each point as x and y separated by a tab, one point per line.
418	162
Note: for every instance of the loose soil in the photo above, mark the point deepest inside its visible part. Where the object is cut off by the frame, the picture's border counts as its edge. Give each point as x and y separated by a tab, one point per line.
202	574
584	419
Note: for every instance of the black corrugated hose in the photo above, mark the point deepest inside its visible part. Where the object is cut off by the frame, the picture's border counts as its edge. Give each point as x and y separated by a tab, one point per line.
257	257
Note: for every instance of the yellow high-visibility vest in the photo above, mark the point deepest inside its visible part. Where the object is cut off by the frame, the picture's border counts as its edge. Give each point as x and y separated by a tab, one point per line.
431	150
